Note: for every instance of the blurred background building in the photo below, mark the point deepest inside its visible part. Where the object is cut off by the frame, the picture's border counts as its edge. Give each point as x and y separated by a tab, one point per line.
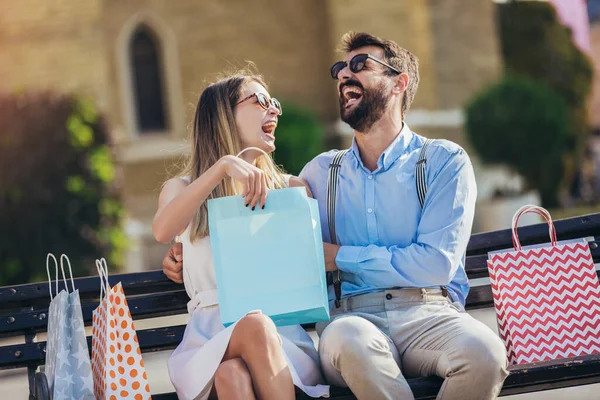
142	64
145	62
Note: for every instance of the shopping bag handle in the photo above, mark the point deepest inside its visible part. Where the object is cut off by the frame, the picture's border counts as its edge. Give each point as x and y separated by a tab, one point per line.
535	210
64	256
50	255
103	272
239	154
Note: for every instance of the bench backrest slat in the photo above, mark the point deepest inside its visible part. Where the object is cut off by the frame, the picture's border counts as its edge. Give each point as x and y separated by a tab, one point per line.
571	228
35	295
476	266
148	306
32	295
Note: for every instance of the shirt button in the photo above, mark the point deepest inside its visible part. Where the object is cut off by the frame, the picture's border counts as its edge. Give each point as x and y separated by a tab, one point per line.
370	176
369	210
388	296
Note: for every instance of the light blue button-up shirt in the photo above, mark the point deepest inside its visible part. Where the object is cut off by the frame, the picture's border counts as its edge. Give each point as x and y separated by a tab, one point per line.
386	240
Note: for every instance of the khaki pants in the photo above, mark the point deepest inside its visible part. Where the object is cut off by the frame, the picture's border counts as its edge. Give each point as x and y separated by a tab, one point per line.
374	341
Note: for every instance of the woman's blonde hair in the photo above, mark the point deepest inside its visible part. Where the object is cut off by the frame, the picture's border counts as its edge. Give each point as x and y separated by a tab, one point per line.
215	135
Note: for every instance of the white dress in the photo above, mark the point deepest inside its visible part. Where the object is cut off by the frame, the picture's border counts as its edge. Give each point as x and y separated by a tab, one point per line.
193	364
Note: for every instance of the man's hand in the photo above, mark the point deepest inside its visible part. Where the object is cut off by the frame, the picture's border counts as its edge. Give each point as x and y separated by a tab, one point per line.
173	263
330	251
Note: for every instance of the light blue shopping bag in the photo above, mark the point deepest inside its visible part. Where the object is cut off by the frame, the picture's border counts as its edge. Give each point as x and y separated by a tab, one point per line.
67	365
269	260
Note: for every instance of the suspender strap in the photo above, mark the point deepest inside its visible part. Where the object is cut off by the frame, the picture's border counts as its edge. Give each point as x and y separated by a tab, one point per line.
332	184
421	182
332	178
420	176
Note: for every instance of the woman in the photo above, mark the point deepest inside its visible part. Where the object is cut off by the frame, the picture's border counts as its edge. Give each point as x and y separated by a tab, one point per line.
251	358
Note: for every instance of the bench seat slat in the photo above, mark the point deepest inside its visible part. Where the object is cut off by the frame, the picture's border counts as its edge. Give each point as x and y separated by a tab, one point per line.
34	353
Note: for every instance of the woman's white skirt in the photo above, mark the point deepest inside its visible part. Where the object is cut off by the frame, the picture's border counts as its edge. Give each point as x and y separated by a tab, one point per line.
193	364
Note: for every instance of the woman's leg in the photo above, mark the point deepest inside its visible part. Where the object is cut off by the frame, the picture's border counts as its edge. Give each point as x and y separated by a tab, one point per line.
233	381
255	341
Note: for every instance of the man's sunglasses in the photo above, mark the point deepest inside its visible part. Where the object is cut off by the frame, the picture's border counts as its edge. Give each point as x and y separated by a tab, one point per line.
264	101
357	64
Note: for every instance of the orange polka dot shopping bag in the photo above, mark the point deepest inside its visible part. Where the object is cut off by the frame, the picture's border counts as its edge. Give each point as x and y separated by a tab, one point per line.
117	364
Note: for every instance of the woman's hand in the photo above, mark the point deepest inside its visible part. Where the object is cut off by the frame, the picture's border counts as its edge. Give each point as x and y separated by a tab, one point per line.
252	179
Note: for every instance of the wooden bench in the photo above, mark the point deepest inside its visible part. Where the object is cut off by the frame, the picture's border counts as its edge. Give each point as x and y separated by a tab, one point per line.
24	308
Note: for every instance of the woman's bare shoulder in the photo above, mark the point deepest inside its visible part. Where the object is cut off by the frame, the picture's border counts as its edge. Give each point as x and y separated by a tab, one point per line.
172	188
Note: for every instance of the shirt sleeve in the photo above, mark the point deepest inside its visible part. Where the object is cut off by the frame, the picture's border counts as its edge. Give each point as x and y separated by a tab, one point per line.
442	234
308	174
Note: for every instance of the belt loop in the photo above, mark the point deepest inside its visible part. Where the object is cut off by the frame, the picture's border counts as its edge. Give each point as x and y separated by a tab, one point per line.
444	291
424	294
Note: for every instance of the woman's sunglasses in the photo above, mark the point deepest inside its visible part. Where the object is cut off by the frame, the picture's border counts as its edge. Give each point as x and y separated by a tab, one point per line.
357	64
264	101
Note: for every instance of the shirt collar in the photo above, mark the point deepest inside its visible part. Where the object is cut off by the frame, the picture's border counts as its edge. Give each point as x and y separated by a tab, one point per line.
393	151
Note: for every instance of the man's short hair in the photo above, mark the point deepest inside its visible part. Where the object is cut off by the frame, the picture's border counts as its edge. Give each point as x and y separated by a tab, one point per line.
398	57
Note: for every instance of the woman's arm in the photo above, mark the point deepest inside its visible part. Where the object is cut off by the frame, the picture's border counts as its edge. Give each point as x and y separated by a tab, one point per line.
179	201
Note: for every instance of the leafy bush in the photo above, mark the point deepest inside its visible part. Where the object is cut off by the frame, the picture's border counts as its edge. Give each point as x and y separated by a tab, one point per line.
57	186
524	125
536	45
299	138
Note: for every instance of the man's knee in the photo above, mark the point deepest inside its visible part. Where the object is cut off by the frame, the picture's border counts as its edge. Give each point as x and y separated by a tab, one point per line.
352	339
485	356
355	353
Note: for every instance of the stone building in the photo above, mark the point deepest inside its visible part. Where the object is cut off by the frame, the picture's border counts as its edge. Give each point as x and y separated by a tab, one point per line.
146	61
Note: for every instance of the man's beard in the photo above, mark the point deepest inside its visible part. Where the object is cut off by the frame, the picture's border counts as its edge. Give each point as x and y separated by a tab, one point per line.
368	111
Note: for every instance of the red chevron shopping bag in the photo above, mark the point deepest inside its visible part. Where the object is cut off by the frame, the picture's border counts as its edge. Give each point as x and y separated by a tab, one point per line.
547	297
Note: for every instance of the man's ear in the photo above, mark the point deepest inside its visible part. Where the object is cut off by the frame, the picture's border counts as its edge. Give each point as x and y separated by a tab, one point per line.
401	83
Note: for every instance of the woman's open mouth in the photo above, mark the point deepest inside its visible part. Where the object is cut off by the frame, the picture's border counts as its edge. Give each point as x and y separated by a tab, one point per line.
269	128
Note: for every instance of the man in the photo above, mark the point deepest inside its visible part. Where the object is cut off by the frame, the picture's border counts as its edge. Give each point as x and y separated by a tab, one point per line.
400	311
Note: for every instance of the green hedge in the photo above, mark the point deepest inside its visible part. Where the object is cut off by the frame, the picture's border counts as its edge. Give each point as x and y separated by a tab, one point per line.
57	186
534	44
299	138
523	124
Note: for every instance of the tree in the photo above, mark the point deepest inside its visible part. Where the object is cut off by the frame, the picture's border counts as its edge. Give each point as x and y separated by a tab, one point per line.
523	124
536	45
57	186
299	138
